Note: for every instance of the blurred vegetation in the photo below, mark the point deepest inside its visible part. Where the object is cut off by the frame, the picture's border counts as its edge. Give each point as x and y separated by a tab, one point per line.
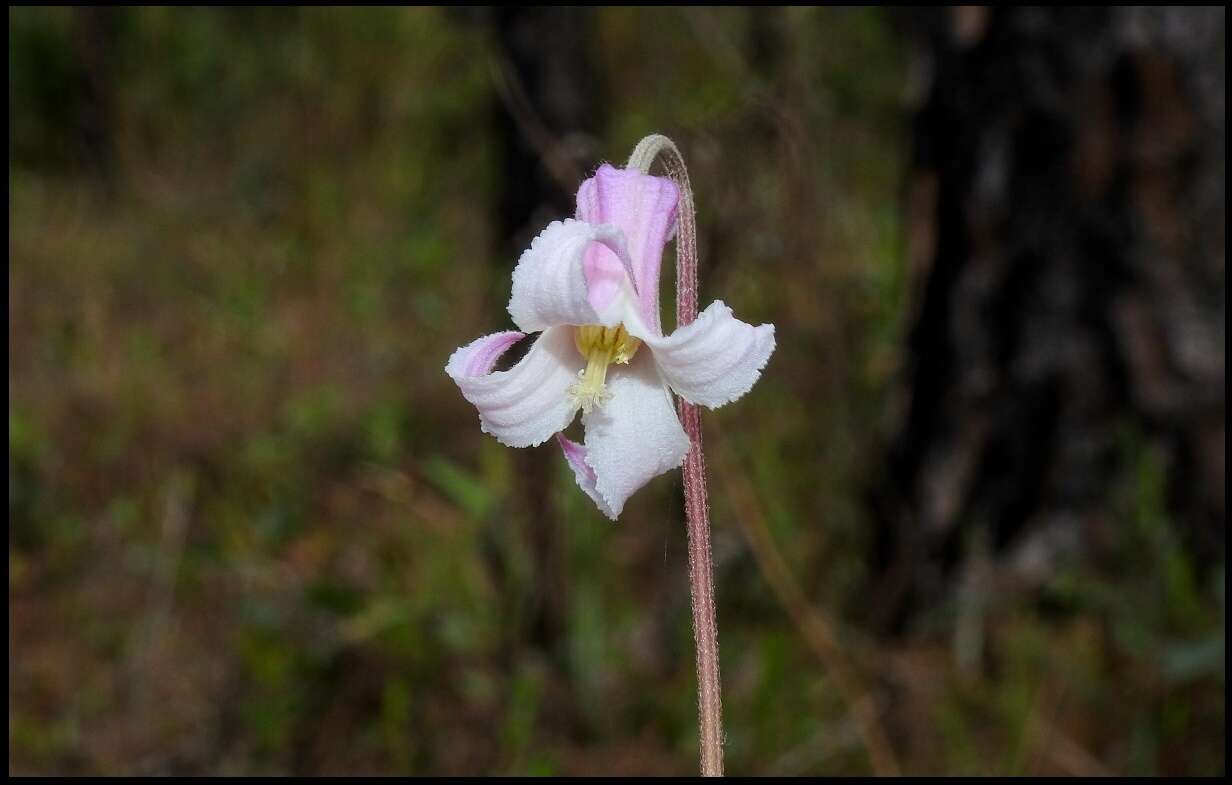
255	529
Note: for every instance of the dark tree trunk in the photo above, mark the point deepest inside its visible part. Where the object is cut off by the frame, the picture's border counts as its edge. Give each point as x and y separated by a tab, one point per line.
1066	225
95	36
547	115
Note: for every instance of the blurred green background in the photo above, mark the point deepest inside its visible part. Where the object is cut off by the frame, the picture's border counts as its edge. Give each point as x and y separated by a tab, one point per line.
254	528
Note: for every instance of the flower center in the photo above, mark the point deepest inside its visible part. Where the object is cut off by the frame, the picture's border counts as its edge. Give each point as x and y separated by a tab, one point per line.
601	346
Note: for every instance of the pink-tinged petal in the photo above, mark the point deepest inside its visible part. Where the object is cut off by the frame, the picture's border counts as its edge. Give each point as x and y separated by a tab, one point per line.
644	207
528	403
553	284
635	435
714	360
575	455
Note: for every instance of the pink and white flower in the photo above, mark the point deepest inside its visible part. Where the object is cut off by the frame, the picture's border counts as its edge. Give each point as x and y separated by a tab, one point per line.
590	286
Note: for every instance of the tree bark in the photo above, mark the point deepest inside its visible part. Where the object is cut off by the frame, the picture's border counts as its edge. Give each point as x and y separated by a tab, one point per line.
95	37
1066	234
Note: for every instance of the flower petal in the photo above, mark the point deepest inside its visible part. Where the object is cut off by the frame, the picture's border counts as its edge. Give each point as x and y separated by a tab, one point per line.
526	404
715	359
575	455
644	208
554	284
635	435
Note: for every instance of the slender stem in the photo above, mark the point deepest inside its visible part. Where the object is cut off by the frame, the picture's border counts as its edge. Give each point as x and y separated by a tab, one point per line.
697	514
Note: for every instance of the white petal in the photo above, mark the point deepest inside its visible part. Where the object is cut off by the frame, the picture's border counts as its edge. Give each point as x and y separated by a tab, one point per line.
528	403
714	360
575	455
555	284
635	435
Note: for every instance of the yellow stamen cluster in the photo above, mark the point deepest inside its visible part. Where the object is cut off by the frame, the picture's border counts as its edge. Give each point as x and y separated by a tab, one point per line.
601	346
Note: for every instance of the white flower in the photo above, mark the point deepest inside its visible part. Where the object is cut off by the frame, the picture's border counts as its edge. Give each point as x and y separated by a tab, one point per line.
591	286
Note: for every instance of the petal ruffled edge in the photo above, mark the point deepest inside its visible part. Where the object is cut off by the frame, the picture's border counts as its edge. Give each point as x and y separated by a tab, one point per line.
556	282
714	360
528	403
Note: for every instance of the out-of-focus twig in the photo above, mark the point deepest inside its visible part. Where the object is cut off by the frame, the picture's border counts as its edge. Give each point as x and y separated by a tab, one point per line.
1069	755
814	627
509	87
173	535
1045	739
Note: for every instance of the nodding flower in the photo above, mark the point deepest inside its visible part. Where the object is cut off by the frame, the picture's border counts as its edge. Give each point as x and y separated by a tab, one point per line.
590	287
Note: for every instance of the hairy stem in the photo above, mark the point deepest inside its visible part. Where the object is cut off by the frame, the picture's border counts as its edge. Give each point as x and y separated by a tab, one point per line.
697	513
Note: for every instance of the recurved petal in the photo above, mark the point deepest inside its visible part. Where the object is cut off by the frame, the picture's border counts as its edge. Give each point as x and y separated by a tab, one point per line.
634	436
528	403
714	360
575	455
644	208
554	283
